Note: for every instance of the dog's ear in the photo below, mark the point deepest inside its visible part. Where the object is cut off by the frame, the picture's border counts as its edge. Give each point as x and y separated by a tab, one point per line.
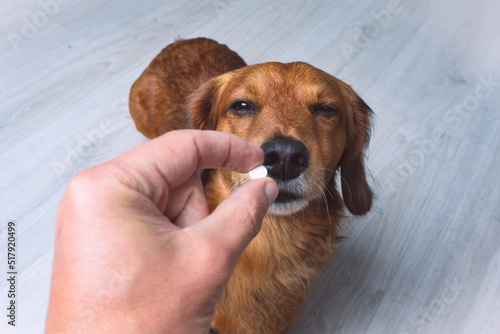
356	192
149	107
200	104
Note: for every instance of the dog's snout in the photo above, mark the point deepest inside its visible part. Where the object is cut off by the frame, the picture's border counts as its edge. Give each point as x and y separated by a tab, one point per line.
285	158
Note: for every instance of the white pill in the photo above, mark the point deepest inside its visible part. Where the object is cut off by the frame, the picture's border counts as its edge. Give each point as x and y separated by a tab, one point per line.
257	173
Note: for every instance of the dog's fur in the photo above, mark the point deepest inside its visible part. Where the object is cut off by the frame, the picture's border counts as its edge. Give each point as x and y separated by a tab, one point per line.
201	84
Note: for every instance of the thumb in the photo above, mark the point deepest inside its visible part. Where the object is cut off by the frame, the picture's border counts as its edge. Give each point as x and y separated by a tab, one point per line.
237	220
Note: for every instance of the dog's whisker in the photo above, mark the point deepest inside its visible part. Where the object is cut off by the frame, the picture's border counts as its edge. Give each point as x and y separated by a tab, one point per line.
326	187
328	169
346	184
325	199
229	189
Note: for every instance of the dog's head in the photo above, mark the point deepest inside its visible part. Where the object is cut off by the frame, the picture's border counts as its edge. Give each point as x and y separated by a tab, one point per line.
308	123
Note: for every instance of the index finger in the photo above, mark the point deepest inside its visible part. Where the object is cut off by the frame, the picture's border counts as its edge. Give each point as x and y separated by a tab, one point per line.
176	155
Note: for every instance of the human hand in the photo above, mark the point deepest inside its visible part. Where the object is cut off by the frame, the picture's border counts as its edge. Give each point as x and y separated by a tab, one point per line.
136	249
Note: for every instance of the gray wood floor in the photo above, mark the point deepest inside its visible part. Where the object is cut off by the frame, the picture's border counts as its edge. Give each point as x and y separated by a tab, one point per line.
425	260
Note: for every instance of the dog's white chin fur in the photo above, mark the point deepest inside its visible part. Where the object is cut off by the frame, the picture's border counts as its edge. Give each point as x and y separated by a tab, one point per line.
289	208
297	187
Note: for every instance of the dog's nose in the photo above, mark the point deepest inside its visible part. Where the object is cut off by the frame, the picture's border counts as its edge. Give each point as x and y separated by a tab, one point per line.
285	158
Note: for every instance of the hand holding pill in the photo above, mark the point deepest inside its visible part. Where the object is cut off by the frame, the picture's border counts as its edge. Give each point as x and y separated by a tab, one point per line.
147	210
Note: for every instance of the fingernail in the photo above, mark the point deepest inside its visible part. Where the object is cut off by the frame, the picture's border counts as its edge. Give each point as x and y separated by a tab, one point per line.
271	190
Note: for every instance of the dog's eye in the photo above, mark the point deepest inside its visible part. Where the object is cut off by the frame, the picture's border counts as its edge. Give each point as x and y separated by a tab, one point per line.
242	108
325	110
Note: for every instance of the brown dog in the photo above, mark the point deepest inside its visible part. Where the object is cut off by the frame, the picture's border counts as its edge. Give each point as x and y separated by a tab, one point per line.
309	124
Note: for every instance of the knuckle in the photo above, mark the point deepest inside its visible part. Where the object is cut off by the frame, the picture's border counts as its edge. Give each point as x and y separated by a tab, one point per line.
80	180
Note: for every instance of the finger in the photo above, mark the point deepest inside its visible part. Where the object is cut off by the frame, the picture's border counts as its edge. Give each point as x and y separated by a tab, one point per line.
187	204
175	156
237	220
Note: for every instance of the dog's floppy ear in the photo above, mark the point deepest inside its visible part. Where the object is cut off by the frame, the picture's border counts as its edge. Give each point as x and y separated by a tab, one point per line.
200	103
152	112
355	189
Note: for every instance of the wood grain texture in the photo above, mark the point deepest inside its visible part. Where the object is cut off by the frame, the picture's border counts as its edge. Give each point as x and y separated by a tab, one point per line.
425	260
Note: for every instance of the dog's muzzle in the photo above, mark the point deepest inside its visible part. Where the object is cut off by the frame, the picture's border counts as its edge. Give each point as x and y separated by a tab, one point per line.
285	160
